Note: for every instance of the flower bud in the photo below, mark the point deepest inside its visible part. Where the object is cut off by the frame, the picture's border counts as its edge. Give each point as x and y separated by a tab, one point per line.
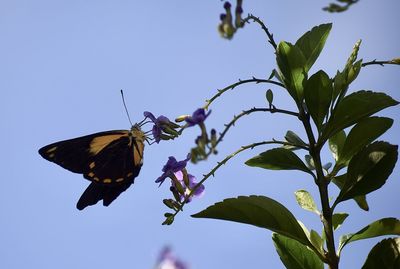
181	118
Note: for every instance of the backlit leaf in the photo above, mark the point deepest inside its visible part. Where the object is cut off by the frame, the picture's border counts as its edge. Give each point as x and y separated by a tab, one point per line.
386	226
259	211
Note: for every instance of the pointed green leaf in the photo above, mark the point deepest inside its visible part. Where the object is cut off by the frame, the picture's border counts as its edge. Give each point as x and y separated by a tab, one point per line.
305	201
338	219
362	134
353	71
327	166
259	211
294	139
385	254
336	143
386	226
350	72
354	108
270	97
368	170
291	63
312	43
317	241
309	162
361	200
339	84
318	94
295	255
278	159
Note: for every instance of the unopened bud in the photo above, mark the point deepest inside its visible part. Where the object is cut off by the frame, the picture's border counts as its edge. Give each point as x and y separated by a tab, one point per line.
181	118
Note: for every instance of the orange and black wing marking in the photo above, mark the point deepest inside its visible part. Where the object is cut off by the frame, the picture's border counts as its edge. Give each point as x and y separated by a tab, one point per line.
111	160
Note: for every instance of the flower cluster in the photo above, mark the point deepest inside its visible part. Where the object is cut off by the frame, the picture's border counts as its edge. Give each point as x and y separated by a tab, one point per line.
183	185
226	28
168	261
163	128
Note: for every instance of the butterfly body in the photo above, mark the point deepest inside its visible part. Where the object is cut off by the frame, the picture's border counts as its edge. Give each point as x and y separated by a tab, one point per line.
111	160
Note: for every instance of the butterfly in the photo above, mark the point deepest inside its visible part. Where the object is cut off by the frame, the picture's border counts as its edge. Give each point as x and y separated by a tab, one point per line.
111	160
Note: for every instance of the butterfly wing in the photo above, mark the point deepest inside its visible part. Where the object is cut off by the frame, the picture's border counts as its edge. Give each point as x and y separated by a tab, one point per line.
111	160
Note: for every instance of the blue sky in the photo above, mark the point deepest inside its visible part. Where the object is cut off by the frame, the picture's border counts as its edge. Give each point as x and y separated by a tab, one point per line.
62	66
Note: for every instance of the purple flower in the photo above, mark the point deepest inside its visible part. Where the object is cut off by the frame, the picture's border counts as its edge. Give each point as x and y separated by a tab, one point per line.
227	5
168	260
198	192
198	117
161	124
172	166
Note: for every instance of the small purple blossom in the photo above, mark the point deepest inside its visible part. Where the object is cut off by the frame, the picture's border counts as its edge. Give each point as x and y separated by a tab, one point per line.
198	117
167	260
172	166
198	192
227	5
160	124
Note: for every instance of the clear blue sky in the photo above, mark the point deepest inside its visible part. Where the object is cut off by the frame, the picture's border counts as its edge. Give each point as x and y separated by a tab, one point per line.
62	64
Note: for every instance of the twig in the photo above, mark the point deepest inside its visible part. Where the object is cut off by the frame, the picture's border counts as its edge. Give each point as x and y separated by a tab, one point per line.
381	63
247	112
256	19
171	217
240	82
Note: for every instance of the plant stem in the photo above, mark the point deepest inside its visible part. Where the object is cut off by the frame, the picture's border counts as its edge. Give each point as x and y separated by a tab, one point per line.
212	172
257	20
252	110
381	63
232	86
326	218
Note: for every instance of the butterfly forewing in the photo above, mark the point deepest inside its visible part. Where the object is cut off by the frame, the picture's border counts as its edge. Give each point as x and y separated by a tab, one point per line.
76	154
111	160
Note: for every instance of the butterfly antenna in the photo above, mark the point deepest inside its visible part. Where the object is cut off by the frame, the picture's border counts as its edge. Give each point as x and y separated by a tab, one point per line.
126	110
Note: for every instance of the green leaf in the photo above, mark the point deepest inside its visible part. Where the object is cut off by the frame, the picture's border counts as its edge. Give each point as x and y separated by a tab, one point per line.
295	255
354	108
336	143
350	72
312	43
317	242
317	94
368	170
362	134
310	162
259	211
338	219
278	159
386	226
305	201
353	71
361	200
291	63
294	139
270	96
385	254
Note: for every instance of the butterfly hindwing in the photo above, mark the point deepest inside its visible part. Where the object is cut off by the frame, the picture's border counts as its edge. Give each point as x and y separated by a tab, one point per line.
111	160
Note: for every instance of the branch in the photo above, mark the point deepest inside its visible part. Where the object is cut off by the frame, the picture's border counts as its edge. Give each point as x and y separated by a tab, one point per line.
322	183
382	63
171	217
338	8
247	112
256	19
232	86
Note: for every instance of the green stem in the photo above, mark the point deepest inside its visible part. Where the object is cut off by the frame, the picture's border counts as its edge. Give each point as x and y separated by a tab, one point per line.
212	172
257	20
252	110
381	63
232	86
326	218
